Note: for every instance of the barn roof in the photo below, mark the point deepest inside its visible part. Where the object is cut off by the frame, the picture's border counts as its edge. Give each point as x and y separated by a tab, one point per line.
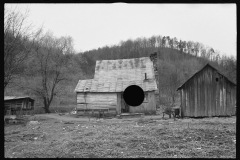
207	65
92	85
116	75
6	98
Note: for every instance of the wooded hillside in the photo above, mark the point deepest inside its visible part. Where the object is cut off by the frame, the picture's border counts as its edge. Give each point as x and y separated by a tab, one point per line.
47	68
178	60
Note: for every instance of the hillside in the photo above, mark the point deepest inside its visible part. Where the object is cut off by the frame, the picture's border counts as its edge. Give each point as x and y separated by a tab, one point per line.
176	64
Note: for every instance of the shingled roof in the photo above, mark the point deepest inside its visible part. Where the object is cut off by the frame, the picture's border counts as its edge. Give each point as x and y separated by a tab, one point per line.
92	85
125	69
116	75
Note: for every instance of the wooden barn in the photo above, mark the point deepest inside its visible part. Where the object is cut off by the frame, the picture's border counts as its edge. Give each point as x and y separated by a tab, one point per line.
110	80
207	93
18	105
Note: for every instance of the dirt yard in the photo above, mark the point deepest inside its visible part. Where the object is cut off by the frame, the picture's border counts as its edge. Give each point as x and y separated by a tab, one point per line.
150	137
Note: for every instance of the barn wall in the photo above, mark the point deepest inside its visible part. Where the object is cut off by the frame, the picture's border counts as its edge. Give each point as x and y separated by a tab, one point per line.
147	107
208	94
93	100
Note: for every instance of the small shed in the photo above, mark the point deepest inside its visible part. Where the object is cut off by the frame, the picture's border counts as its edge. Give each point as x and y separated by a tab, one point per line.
207	93
18	105
111	78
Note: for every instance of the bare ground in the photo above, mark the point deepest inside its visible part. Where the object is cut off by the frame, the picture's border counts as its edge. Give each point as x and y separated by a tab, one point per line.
150	137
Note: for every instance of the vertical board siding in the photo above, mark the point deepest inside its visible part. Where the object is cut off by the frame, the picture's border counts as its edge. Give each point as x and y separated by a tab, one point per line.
203	96
230	100
196	97
201	99
224	97
183	110
213	94
205	99
191	99
227	100
181	100
148	107
186	102
221	99
209	92
209	98
217	93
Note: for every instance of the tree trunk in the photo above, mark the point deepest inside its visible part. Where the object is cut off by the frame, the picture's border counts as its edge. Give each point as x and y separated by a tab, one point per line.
173	99
46	105
46	108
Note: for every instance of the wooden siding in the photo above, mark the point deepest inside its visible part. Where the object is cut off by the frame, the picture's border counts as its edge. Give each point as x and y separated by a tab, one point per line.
95	100
19	104
114	100
18	107
148	107
119	103
208	94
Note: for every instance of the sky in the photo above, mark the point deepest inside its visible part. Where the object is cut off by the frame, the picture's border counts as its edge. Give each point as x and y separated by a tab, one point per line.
97	25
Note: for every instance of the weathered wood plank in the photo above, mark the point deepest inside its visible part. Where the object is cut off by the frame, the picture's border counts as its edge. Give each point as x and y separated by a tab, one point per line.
105	98
196	97
209	92
118	103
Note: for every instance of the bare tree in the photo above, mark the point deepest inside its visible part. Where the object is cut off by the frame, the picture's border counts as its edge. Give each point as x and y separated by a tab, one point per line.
196	46
51	66
18	42
169	82
189	46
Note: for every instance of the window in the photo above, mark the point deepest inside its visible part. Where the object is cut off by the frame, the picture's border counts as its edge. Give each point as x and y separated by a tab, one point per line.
145	97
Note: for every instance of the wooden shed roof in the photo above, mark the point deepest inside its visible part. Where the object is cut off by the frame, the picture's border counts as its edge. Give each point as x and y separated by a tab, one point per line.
7	98
116	75
92	85
207	65
124	69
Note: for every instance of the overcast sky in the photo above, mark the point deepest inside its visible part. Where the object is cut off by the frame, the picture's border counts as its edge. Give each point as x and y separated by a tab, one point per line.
97	25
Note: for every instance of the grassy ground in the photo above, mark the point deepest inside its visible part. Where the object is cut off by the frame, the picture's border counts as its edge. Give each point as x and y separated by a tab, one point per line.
150	137
59	108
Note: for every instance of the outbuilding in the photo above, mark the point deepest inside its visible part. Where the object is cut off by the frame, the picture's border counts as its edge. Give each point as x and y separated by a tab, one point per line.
17	105
207	93
110	80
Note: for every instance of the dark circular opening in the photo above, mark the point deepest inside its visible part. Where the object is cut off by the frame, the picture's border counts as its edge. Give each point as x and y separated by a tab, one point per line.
133	95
